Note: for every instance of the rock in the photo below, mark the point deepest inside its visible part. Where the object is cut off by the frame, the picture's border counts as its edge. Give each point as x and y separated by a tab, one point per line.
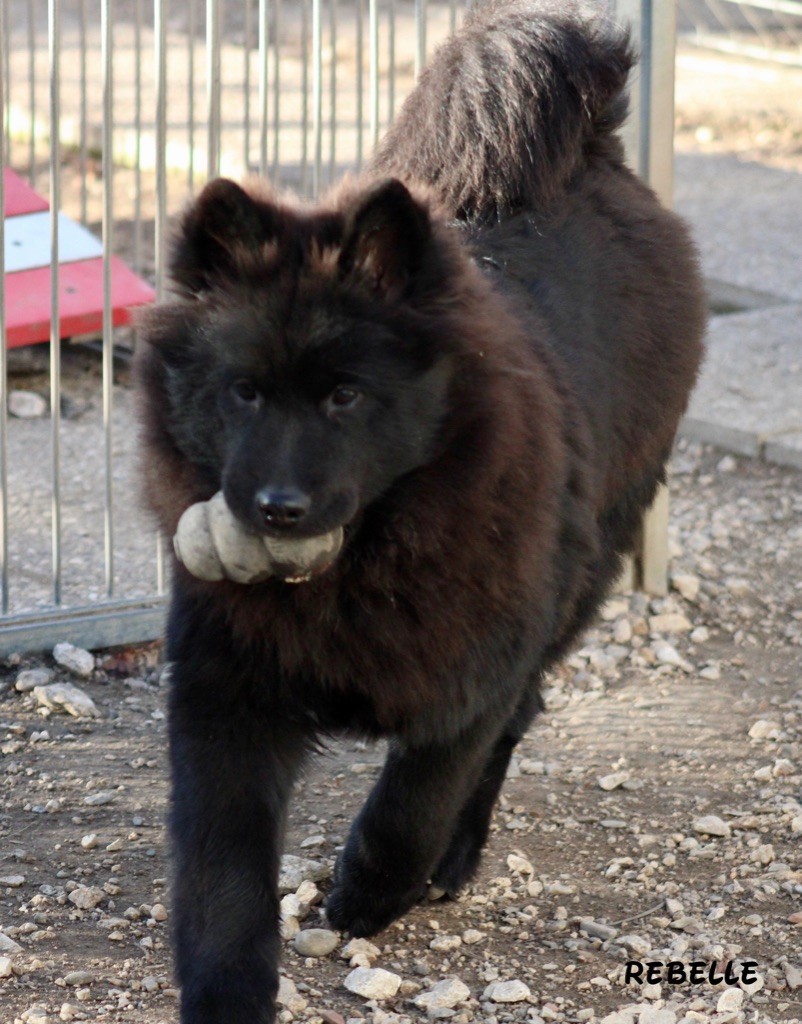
613	781
445	943
711	825
289	996
753	986
471	936
79	978
795	918
687	585
507	992
89	842
86	897
597	930
12	881
622	633
373	983
445	995
765	730
520	865
737	587
30	678
730	1001
297	870
316	942
66	696
26	405
668	655
671	622
331	1017
700	635
653	1015
8	945
6	968
158	912
362	948
74	659
635	944
99	799
793	977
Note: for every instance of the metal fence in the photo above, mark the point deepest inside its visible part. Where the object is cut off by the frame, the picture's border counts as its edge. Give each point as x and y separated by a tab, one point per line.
761	29
115	112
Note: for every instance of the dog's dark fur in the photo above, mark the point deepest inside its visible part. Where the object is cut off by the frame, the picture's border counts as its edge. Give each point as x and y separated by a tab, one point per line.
486	406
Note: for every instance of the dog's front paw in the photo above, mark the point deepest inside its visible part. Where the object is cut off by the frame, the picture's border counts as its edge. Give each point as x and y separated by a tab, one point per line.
367	897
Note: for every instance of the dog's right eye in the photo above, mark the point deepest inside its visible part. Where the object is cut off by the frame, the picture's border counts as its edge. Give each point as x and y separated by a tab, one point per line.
244	391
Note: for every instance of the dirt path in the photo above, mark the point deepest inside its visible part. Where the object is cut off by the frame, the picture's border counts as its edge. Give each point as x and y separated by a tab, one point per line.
665	705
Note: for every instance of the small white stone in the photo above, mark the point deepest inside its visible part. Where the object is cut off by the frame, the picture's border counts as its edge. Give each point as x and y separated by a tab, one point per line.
687	585
297	870
655	1015
158	912
75	659
793	977
26	405
99	799
507	992
700	635
8	945
753	986
622	633
71	698
289	996
90	841
373	983
86	897
613	781
671	622
32	677
445	943
519	865
635	944
765	730
361	948
6	968
471	936
783	767
730	1001
12	881
445	995
316	942
711	825
79	978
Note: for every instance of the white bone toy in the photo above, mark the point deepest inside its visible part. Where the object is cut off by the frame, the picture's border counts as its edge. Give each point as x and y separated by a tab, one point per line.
214	545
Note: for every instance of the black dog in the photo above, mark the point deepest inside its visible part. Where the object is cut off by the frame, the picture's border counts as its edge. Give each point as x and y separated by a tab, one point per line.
478	373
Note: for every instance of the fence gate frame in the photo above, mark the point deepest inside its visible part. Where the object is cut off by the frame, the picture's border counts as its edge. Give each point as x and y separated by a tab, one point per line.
117	620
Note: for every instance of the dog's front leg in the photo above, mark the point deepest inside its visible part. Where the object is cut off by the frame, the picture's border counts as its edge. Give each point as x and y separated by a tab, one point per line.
233	766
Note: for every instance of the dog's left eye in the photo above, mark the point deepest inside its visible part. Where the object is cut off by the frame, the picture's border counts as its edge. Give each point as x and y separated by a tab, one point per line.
342	397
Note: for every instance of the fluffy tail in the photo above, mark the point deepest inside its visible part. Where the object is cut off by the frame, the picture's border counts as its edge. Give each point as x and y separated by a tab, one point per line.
511	107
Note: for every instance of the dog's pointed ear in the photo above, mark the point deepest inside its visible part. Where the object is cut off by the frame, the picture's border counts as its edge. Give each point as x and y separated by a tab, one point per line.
222	221
385	238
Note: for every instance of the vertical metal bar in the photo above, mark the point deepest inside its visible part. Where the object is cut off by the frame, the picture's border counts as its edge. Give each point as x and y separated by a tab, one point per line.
420	33
333	90
138	136
193	27
213	8
54	47
317	94
276	87
246	87
32	93
106	23
3	354
360	70
305	96
373	29
391	60
264	71
160	11
83	142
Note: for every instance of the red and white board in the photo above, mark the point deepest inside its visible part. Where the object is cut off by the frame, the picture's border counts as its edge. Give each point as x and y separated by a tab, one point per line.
80	272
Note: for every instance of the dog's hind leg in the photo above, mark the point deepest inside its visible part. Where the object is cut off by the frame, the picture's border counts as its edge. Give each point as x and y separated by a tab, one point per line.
461	860
401	833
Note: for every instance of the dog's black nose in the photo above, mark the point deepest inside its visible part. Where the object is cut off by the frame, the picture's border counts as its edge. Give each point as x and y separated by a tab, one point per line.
282	508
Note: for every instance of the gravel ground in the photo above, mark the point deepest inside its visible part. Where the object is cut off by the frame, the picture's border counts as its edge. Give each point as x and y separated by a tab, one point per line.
653	813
